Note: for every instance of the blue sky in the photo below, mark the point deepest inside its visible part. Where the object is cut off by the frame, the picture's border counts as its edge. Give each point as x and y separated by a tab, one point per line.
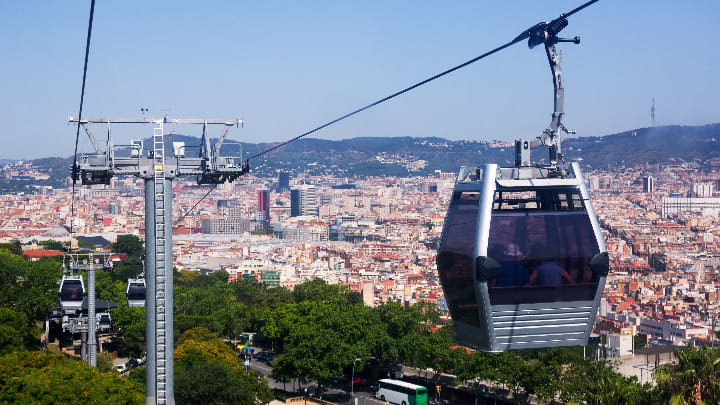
287	66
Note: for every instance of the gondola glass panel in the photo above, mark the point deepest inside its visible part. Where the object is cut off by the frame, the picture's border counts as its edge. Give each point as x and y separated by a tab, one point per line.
455	259
543	257
72	290
135	293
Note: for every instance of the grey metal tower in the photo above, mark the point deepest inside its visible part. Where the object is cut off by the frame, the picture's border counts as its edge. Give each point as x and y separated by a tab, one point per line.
158	172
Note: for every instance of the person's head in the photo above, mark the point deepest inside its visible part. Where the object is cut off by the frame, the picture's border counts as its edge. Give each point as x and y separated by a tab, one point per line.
513	252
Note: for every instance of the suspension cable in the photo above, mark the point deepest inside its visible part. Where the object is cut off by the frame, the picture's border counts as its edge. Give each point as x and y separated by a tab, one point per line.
384	99
82	99
350	114
195	205
403	91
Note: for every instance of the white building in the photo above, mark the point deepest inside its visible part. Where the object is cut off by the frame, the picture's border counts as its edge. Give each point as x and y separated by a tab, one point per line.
703	189
703	206
621	344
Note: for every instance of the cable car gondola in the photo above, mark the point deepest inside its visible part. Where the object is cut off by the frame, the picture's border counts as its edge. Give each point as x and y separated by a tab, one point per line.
135	293
522	259
104	321
72	292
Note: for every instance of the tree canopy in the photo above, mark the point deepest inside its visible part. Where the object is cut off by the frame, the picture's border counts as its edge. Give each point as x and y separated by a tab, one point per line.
36	377
27	286
208	372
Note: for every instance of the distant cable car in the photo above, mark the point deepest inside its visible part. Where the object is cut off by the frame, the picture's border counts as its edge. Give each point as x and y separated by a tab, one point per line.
72	292
104	321
135	293
522	259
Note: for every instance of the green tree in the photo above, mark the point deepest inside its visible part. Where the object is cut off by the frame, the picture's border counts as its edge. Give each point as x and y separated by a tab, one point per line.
400	321
128	268
104	362
199	334
596	383
16	332
13	247
131	323
52	245
319	290
694	378
108	289
209	372
320	339
46	378
29	287
86	244
130	244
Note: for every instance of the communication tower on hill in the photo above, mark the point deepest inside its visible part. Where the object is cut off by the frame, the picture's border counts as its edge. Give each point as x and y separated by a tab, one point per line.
652	112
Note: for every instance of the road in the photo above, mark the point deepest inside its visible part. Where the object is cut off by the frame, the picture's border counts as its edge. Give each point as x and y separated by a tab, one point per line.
341	394
336	395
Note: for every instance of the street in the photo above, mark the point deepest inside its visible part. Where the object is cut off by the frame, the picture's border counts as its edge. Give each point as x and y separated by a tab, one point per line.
333	394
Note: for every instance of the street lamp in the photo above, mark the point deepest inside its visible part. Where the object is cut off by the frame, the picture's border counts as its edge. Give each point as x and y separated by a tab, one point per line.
352	379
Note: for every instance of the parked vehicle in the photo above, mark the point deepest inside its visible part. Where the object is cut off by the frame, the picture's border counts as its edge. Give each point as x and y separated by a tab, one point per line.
401	392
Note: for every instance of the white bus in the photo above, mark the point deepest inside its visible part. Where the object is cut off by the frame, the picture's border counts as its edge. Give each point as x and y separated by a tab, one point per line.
401	393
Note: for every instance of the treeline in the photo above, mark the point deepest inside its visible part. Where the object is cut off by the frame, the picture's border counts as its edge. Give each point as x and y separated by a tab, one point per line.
317	331
206	370
28	291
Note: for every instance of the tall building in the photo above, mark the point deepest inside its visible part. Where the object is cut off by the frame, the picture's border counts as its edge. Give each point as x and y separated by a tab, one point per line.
703	189
263	207
648	185
283	182
303	201
113	209
230	224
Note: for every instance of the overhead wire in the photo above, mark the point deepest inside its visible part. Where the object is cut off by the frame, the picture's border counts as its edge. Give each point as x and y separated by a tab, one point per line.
361	109
418	84
195	205
519	38
82	99
387	98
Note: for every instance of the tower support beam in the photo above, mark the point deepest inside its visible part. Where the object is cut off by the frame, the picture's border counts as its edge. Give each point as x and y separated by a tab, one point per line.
158	168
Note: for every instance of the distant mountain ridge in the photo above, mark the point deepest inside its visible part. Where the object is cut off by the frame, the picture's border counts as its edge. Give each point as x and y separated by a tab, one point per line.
402	156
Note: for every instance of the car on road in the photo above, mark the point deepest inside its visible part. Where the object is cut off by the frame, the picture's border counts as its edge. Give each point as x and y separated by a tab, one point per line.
119	368
396	371
132	363
261	356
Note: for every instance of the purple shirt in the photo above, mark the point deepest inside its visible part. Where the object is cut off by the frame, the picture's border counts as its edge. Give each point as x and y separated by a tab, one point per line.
549	273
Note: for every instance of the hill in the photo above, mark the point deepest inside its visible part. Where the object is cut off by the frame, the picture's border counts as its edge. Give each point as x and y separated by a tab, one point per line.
402	156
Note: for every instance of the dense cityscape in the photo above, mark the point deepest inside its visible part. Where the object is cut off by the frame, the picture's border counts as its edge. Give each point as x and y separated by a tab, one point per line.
358	203
378	236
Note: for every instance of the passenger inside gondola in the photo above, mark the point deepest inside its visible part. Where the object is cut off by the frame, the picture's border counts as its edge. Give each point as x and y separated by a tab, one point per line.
513	272
72	291
544	270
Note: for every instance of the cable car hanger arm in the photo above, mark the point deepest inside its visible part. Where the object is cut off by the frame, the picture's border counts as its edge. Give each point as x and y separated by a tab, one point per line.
533	33
547	33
